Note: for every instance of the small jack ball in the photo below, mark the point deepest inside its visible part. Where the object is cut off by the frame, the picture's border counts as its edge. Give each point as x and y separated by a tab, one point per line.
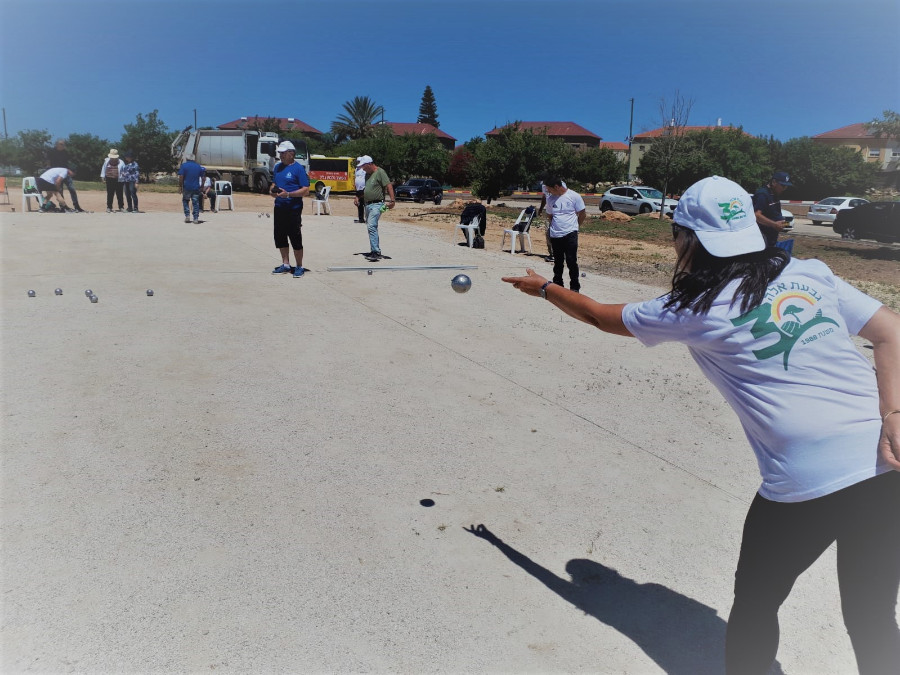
31	294
149	291
369	272
461	283
58	291
583	274
93	298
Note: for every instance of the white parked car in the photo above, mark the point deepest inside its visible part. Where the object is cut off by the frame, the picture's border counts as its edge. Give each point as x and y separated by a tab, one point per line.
636	199
826	210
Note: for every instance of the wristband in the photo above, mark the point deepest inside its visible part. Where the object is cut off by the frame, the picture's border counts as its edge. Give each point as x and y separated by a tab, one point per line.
544	292
888	414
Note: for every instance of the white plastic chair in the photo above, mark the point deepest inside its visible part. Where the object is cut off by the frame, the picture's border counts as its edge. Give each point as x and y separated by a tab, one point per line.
223	192
30	191
321	201
469	230
520	228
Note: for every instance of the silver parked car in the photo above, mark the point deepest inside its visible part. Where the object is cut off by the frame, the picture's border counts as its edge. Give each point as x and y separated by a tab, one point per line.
636	199
826	210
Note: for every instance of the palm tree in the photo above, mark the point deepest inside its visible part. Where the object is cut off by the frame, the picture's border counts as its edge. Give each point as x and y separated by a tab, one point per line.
359	122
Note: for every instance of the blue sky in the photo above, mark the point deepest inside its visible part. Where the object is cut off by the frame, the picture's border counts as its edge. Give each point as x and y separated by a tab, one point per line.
788	68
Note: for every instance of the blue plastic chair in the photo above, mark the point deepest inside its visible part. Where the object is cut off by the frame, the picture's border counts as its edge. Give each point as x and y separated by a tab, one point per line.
787	245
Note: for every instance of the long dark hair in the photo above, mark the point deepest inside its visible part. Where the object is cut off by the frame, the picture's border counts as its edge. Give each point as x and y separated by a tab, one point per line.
700	277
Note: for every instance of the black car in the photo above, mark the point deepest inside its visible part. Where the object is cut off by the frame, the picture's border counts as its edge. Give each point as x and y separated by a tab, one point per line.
420	190
876	220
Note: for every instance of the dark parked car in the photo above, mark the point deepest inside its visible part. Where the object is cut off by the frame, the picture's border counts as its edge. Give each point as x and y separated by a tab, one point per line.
420	190
876	220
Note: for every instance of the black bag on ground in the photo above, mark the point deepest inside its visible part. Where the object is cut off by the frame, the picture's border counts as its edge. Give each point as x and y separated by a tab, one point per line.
479	241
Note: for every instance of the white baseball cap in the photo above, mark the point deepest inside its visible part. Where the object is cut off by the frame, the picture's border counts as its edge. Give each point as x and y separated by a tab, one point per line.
285	146
365	159
721	213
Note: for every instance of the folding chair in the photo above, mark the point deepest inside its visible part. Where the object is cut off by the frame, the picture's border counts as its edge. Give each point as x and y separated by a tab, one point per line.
520	231
469	230
223	192
30	191
4	190
321	201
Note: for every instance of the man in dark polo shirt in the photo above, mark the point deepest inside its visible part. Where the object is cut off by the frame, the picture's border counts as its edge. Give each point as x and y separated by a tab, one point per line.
767	205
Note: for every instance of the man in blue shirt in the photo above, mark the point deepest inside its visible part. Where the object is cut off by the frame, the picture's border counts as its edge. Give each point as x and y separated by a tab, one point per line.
189	177
767	206
290	185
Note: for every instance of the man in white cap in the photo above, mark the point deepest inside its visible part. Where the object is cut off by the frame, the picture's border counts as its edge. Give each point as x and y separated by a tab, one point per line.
290	184
773	335
360	185
378	185
109	172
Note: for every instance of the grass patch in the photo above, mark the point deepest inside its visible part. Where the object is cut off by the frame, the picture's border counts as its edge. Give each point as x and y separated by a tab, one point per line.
640	228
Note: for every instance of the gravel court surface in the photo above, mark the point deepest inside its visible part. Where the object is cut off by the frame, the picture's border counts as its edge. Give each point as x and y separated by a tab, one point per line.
227	475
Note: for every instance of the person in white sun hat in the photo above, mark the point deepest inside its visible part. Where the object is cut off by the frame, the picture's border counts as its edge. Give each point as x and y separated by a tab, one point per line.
773	334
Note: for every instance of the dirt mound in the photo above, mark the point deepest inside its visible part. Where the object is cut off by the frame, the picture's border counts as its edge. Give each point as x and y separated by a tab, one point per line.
616	215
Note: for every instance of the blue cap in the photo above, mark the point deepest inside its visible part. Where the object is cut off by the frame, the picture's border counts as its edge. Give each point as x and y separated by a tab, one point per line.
782	178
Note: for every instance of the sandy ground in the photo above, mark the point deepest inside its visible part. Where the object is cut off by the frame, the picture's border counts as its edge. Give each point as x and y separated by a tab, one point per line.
227	476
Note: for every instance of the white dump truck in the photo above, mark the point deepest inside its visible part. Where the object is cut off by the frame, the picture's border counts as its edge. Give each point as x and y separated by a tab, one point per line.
244	157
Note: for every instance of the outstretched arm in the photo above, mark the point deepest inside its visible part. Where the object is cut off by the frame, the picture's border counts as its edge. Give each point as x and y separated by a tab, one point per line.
883	331
607	318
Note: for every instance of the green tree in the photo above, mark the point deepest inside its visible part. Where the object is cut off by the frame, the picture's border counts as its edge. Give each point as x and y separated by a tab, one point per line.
86	155
32	150
428	113
151	141
517	157
722	152
402	156
359	120
888	126
597	165
818	171
10	151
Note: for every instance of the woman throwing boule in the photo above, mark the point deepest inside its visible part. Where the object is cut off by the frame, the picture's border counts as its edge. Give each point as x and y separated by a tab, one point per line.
772	333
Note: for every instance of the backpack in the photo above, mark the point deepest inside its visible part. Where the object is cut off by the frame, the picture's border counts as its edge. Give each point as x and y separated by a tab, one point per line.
479	241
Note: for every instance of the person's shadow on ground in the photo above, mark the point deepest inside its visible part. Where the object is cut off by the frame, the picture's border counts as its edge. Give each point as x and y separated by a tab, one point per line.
681	635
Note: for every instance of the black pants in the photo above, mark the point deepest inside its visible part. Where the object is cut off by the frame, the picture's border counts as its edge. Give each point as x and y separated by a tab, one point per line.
361	216
565	252
113	186
781	540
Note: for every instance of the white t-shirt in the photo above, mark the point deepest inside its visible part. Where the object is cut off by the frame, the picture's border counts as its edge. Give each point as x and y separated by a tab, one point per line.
806	397
50	175
564	210
360	179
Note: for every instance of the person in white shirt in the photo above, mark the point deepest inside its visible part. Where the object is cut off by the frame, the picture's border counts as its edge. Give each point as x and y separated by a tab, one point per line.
51	183
359	181
565	210
773	335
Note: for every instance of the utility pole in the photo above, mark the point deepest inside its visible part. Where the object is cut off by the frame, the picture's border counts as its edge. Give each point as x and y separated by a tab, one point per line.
5	135
630	126
195	119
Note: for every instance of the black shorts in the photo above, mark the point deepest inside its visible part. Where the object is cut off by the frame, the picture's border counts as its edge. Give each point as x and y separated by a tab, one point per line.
44	186
287	227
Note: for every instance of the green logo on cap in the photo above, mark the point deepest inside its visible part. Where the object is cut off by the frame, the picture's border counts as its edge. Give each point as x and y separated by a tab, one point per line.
732	210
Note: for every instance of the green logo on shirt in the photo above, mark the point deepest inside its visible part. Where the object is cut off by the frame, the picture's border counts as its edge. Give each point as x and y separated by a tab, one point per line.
790	311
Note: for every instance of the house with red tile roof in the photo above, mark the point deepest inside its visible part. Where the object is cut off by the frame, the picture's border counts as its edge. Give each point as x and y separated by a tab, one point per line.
285	124
573	134
619	149
885	150
421	129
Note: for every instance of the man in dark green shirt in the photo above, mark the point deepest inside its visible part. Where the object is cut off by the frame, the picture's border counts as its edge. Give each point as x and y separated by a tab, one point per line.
377	186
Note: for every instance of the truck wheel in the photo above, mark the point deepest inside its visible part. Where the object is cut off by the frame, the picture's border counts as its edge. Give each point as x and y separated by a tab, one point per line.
260	183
